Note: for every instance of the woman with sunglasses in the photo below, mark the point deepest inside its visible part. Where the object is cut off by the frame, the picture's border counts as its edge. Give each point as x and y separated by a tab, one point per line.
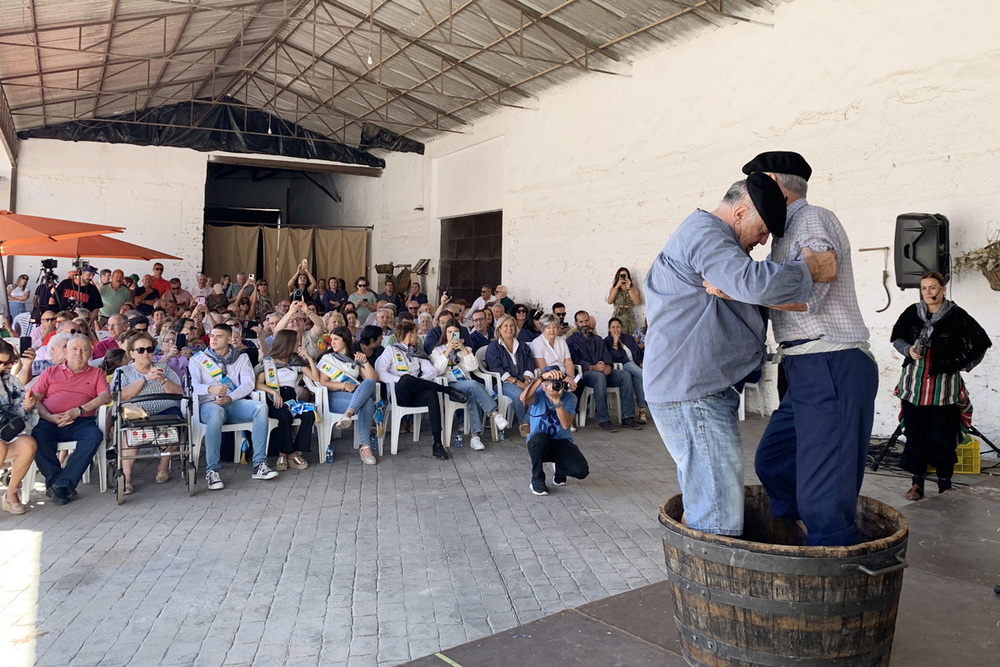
17	295
141	377
520	313
21	447
363	300
261	302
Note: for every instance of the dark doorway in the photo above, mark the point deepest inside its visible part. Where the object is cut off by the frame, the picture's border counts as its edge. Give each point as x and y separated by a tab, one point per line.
471	251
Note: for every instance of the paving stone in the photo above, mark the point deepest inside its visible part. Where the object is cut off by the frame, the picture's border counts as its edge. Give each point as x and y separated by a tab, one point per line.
344	564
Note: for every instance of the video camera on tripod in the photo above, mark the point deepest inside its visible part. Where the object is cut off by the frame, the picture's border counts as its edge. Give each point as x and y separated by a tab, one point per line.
48	271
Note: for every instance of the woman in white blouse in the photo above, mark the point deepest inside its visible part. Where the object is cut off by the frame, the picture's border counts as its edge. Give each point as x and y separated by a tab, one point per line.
550	349
351	381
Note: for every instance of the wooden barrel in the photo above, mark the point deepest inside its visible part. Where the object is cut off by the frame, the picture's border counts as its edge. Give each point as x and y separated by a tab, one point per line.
764	601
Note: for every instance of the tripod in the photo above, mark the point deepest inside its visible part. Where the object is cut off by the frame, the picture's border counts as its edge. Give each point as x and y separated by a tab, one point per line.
877	461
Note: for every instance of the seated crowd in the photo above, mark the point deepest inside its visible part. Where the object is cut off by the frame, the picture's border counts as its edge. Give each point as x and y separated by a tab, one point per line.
99	333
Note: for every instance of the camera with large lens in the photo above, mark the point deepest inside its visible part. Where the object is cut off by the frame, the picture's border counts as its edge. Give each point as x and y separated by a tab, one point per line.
558	385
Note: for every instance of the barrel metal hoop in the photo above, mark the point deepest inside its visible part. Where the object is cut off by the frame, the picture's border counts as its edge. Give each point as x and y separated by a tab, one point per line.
782	607
728	651
781	564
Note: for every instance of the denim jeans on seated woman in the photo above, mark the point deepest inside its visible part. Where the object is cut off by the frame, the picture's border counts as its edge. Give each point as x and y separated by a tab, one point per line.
361	400
480	403
513	392
640	396
703	437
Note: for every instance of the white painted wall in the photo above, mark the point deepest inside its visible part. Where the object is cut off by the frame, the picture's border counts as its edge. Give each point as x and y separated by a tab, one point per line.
893	103
156	193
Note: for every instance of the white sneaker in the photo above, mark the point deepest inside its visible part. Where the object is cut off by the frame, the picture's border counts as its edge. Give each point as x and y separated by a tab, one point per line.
263	471
344	423
214	480
500	422
477	444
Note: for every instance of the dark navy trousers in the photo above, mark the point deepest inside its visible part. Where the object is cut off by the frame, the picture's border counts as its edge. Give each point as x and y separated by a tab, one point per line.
811	458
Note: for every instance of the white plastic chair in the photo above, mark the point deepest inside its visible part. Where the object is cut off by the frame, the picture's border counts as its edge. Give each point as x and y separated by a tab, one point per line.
397	413
325	424
590	405
494	385
198	432
100	457
272	424
743	394
28	482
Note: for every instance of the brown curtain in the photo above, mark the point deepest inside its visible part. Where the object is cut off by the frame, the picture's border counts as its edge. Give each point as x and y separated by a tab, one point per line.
230	249
342	253
284	250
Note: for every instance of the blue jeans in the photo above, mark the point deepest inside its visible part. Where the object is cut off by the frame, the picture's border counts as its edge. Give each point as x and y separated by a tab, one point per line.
600	382
513	392
362	401
703	438
480	403
16	308
88	438
244	410
640	396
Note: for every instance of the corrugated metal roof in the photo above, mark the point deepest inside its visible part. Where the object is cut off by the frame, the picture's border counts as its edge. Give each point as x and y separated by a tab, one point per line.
417	67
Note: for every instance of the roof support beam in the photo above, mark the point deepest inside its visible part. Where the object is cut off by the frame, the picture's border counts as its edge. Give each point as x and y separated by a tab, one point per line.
144	16
618	40
562	29
107	51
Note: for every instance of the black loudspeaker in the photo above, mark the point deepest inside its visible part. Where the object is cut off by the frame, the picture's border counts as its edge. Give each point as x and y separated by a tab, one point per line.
921	246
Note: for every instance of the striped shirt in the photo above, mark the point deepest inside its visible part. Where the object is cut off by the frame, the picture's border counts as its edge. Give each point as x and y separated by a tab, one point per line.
833	314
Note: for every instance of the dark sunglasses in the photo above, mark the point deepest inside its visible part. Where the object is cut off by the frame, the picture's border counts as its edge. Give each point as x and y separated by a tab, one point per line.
74	331
144	350
8	362
48	319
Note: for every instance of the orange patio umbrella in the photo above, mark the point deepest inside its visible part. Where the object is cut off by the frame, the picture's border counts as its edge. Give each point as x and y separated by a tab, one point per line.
87	246
18	229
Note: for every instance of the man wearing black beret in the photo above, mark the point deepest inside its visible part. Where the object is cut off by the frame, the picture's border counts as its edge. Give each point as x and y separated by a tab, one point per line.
698	346
811	458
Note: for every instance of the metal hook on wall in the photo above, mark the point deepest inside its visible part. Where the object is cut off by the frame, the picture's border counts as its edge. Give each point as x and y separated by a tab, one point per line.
885	274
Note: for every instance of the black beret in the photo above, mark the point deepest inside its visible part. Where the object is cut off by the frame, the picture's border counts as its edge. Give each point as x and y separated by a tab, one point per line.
779	162
769	201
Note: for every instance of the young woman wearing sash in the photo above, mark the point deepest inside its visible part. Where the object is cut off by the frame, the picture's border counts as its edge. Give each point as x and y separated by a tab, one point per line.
278	377
456	362
405	365
351	380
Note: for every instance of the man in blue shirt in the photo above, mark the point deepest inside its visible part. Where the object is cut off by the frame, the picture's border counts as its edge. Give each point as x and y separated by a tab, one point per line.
550	414
699	346
591	355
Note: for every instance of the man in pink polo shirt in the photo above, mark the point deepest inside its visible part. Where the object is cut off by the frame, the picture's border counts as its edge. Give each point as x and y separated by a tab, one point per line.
68	396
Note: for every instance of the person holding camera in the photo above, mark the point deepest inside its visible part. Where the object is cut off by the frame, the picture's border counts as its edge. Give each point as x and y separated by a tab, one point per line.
17	418
302	285
306	324
624	295
551	406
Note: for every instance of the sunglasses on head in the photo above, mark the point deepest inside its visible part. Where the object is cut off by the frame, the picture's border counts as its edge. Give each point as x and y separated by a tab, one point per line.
144	350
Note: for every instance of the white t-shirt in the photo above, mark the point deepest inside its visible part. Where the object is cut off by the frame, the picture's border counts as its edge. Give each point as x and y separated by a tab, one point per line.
553	355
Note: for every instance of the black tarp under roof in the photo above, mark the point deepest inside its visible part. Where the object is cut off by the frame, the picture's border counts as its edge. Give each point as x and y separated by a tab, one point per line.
207	125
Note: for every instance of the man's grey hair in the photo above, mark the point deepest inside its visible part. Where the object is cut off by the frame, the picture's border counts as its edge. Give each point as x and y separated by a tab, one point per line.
793	183
85	339
548	320
116	317
737	194
424	316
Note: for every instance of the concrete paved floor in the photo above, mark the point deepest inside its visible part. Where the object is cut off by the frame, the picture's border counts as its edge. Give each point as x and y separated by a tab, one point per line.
340	564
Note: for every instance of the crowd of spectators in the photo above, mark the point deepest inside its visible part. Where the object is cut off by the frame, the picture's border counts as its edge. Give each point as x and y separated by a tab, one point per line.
98	332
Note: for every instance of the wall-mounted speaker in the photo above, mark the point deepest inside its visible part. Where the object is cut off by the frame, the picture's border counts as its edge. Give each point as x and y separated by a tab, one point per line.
921	246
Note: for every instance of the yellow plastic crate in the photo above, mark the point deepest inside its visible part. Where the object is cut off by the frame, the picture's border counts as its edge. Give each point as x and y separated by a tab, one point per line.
968	458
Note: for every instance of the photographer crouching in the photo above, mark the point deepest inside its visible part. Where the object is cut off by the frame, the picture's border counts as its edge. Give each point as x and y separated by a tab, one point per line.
551	406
